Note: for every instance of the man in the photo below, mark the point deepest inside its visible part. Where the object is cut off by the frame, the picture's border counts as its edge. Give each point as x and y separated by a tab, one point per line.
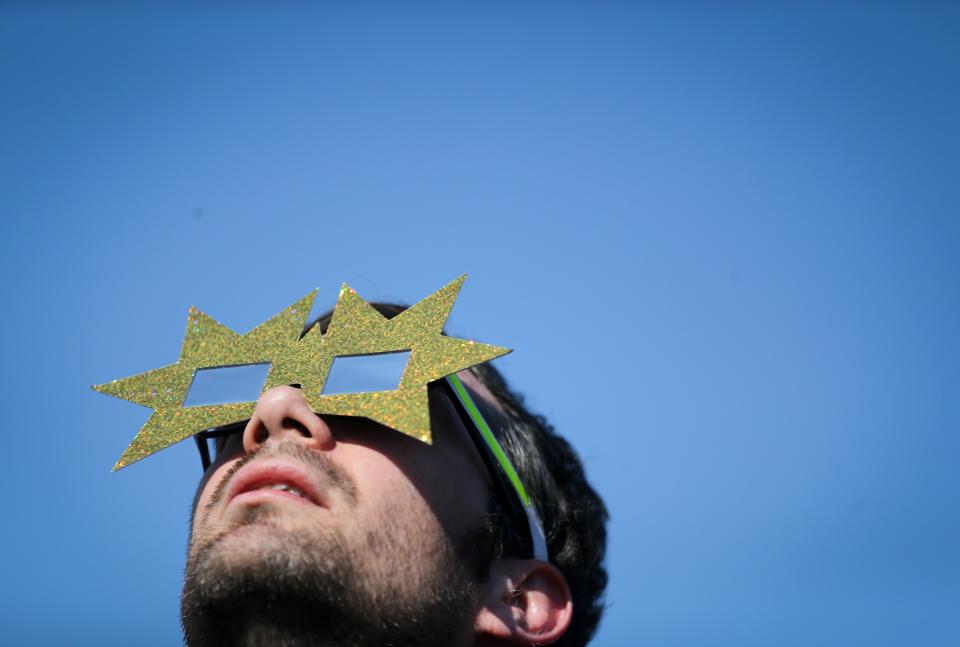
332	530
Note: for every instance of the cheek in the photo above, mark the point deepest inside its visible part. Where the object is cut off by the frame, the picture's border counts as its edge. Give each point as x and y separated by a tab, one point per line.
428	492
459	497
208	485
379	479
389	489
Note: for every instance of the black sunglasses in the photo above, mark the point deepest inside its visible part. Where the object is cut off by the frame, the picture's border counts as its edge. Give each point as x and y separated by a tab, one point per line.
511	492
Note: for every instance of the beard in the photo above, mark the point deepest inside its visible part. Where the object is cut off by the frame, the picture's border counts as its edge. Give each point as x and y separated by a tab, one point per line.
261	583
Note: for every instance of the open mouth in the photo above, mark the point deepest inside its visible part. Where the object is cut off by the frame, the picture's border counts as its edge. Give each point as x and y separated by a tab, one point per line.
274	478
283	487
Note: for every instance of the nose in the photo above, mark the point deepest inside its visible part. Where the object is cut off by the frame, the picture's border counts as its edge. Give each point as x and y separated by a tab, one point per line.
281	414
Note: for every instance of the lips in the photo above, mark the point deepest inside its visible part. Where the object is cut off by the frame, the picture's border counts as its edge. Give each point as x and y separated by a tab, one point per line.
275	478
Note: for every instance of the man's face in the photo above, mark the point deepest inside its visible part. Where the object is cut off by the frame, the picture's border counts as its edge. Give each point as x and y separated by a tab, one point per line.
335	529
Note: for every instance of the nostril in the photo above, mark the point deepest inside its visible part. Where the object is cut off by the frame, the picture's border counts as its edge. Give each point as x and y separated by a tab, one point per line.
291	423
260	435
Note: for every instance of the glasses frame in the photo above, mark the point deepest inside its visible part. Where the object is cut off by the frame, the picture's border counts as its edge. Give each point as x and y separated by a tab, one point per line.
499	466
501	469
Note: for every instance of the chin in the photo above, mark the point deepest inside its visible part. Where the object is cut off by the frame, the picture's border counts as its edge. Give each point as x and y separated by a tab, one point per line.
256	582
247	544
261	541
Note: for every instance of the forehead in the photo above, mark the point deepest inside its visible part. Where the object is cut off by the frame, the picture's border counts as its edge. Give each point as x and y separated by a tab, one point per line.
479	389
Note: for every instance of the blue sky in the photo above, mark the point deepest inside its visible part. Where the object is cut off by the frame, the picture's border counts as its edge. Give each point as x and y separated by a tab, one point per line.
722	242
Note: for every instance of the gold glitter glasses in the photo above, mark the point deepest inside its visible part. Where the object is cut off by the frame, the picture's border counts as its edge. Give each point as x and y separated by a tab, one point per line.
356	329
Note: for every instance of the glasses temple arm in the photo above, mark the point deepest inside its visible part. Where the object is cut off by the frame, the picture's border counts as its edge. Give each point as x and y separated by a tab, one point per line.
537	535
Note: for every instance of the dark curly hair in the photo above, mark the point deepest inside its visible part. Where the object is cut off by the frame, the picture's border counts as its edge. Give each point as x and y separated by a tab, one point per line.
573	514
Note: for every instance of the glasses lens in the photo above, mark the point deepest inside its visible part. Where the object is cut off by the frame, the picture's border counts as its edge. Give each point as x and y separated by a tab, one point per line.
219	443
226	444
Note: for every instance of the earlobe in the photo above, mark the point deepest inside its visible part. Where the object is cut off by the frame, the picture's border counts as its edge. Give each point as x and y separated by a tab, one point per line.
524	602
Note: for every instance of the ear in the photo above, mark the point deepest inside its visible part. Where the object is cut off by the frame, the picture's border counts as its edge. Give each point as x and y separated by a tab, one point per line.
524	602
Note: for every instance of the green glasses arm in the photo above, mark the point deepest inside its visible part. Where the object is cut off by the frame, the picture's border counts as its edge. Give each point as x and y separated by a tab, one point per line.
537	535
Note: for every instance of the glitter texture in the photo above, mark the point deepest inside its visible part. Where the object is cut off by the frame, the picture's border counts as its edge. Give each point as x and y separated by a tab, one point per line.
206	344
355	329
358	329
